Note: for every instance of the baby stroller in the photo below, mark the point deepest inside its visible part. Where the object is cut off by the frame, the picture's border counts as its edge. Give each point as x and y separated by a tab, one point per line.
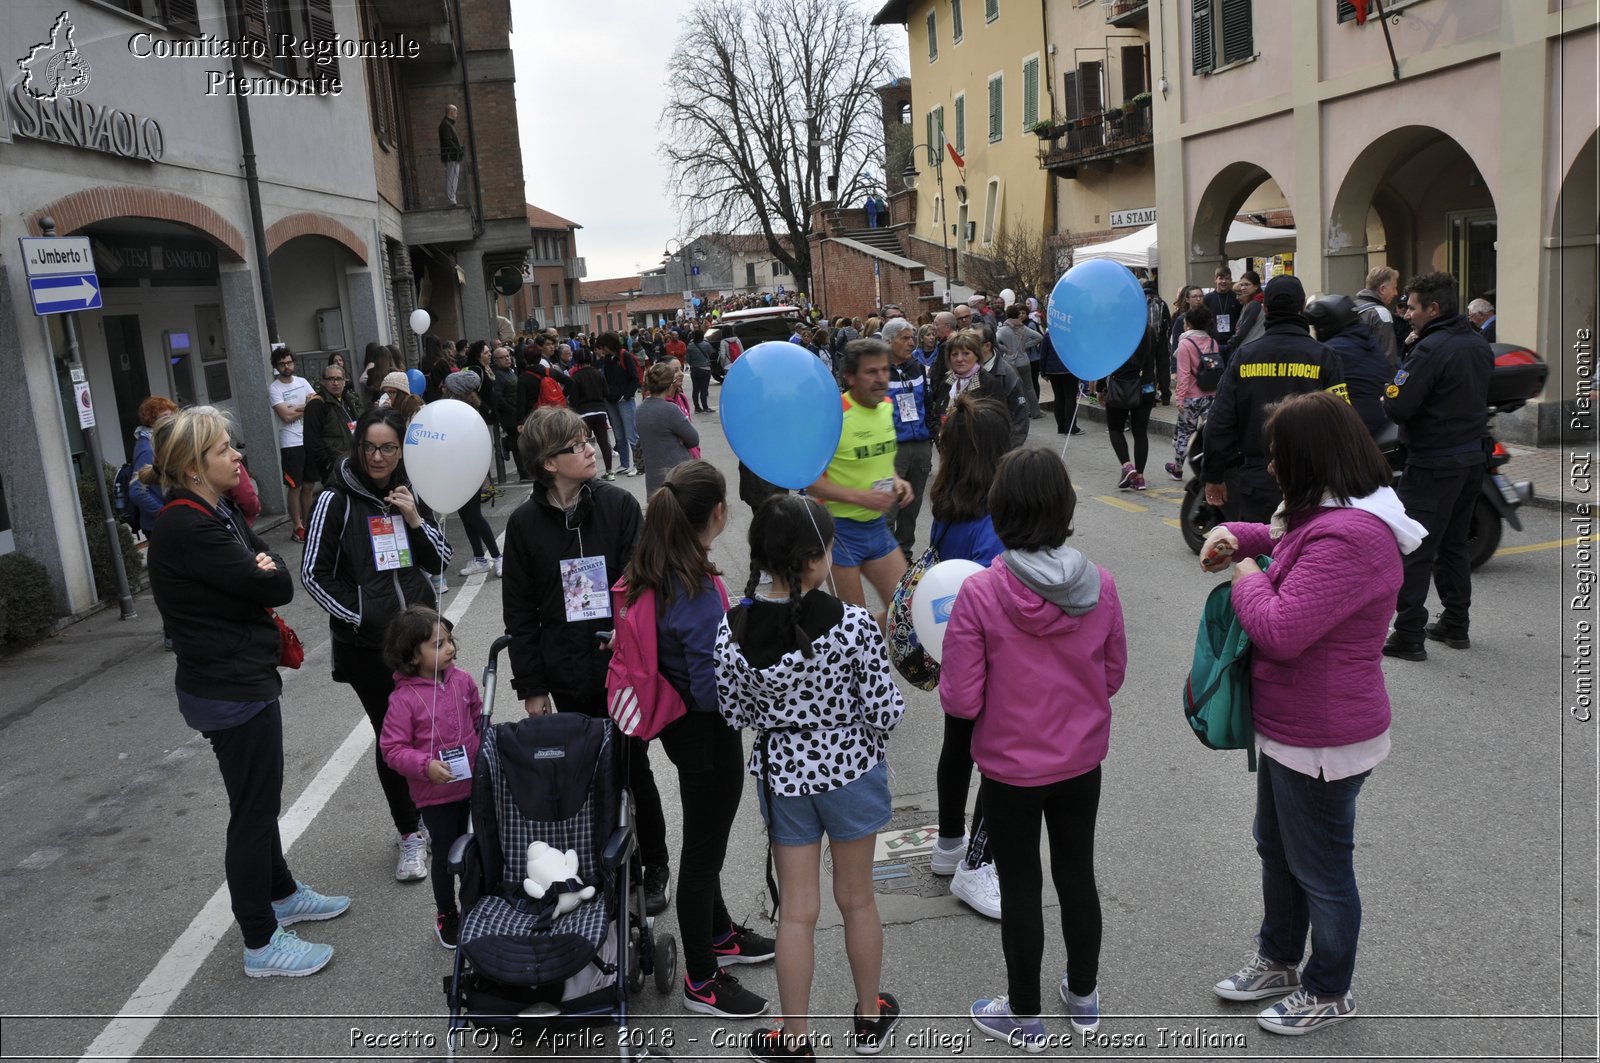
518	968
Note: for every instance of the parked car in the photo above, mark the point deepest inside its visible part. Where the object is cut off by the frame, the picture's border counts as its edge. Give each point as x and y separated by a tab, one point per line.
756	325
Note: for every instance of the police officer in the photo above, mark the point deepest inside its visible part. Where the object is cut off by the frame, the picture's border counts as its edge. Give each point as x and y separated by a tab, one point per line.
1283	361
1440	399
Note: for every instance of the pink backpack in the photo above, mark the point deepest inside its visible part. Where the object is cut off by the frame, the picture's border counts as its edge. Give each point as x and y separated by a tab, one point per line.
639	698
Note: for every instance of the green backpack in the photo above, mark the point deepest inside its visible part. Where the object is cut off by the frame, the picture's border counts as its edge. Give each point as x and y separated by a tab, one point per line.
1216	696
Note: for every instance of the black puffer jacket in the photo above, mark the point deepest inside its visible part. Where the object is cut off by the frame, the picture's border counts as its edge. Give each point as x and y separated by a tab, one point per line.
339	568
548	653
214	599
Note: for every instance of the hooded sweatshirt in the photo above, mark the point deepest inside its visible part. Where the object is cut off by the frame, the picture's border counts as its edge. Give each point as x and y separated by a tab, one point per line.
1033	653
426	715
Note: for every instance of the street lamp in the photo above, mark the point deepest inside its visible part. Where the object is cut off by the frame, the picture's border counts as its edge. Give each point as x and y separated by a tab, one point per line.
909	176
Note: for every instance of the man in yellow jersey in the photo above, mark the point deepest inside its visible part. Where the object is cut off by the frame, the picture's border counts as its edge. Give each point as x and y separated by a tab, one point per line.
860	486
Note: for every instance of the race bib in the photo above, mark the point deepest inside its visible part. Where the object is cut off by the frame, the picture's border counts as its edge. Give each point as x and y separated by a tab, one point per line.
585	588
1224	322
907	405
391	549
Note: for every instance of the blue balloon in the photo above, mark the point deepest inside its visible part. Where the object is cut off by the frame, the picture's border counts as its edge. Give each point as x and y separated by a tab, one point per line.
1097	317
419	383
781	412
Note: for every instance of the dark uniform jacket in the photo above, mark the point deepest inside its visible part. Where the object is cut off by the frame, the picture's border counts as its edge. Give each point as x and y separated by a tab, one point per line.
214	600
1284	361
1440	395
341	571
1366	373
548	653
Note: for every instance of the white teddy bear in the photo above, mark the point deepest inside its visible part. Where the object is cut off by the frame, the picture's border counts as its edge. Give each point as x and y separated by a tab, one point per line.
546	866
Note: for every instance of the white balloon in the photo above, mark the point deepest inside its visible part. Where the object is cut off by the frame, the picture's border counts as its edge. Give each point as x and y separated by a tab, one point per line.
447	454
931	602
1007	296
420	321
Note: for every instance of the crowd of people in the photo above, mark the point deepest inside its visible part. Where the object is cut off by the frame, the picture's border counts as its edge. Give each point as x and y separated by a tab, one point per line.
800	659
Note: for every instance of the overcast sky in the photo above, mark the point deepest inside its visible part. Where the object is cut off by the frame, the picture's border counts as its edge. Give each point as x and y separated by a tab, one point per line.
590	77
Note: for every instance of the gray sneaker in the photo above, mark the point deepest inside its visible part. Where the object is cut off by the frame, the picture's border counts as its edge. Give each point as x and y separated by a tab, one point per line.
1303	1012
1259	979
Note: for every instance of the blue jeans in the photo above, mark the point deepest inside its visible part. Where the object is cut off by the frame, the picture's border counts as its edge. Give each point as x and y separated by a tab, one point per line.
623	429
1305	831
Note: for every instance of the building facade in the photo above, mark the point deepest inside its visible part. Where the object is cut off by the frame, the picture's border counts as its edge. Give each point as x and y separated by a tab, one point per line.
551	274
123	124
605	302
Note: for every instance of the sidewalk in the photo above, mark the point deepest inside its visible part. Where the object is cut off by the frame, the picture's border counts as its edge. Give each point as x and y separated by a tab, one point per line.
1547	467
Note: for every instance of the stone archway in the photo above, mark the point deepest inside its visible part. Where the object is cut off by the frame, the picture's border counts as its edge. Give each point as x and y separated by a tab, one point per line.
1219	205
109	202
1572	271
307	223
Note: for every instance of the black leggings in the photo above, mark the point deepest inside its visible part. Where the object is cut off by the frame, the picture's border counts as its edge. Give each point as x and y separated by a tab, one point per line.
1139	418
700	379
1068	809
250	757
710	762
600	425
479	534
954	776
1064	399
446	823
373	682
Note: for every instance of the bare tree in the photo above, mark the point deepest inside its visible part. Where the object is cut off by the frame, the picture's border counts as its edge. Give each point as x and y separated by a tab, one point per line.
1019	259
767	102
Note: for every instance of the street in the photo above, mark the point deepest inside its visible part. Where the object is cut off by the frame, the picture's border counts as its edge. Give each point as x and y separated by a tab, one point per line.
1476	846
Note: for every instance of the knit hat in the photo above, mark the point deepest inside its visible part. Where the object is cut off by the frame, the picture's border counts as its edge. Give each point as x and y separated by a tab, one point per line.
1284	295
399	381
462	382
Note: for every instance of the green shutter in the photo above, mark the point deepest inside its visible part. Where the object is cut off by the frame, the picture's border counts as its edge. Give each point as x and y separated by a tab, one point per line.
1347	11
1200	31
933	36
991	10
961	125
932	147
1238	38
996	105
1030	93
955	20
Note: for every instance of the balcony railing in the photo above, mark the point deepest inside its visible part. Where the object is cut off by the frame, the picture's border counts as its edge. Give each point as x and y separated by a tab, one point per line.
1127	12
1095	140
575	267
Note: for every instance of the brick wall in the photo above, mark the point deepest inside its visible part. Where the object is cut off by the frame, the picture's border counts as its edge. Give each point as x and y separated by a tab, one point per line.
499	150
843	277
485	24
443	304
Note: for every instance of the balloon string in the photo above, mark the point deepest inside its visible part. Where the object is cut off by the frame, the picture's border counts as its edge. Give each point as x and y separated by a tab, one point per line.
833	590
1072	423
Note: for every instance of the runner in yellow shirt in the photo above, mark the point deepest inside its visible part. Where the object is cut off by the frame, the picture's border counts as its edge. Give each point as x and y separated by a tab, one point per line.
859	486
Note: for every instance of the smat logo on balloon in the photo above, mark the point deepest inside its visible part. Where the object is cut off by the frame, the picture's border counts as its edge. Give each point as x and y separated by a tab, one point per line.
941	609
416	434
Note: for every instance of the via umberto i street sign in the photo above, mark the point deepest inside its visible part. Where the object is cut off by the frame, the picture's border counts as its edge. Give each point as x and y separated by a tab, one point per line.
60	271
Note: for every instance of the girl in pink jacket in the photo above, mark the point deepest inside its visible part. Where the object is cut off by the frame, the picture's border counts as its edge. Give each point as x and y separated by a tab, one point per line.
430	736
1041	618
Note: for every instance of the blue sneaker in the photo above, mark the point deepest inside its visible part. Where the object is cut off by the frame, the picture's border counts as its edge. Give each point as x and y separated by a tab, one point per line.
306	905
995	1017
1085	1011
287	955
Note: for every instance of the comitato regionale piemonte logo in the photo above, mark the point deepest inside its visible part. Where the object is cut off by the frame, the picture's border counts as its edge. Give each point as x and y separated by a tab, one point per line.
55	68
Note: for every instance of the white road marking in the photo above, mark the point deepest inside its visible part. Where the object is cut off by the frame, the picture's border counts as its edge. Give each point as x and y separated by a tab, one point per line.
124	1035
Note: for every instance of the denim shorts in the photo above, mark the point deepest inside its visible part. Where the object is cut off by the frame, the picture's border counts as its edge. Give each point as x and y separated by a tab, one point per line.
858	541
853	811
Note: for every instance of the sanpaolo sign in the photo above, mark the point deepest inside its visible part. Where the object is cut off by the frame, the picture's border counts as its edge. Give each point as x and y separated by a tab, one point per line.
69	121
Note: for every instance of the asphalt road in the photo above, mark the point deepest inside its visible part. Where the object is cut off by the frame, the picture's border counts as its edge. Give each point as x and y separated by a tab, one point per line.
1476	848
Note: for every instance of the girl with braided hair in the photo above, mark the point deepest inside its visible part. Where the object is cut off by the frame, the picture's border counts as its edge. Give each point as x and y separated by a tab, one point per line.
811	675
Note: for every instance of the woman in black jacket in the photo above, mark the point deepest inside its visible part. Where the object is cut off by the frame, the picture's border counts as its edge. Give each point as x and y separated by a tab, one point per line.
565	547
588	398
366	512
215	583
1129	395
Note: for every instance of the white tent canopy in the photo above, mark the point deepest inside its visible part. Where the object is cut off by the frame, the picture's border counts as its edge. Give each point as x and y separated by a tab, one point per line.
1137	250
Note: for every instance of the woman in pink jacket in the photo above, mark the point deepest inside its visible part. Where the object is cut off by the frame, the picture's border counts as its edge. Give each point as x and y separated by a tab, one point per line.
1041	618
1317	618
430	736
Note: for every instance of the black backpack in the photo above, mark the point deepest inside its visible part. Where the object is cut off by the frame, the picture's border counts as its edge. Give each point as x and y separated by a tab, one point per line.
121	500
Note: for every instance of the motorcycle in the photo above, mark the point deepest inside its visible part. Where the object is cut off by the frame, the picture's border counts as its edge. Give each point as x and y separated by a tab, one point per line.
1519	374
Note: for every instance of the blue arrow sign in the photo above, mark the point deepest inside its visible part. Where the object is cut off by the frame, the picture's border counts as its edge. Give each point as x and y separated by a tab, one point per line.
63	294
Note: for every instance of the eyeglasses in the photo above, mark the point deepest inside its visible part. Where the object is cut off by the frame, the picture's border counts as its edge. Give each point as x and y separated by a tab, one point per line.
333	379
388	450
576	448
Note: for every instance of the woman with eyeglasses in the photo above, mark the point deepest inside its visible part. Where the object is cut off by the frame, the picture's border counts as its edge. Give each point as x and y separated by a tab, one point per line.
370	547
565	548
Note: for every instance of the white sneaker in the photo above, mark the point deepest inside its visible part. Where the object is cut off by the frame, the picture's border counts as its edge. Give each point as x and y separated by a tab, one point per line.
979	888
945	861
439	584
413	863
500	565
477	566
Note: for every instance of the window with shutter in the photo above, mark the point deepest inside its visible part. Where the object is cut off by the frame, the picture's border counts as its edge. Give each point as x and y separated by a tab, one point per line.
937	143
1135	70
181	16
1030	93
1200	32
1238	37
933	149
254	22
1069	93
1346	11
933	36
960	138
955	21
991	10
996	108
319	27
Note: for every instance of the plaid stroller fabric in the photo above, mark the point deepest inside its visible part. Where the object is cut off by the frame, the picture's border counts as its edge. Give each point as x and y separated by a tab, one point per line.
544	779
